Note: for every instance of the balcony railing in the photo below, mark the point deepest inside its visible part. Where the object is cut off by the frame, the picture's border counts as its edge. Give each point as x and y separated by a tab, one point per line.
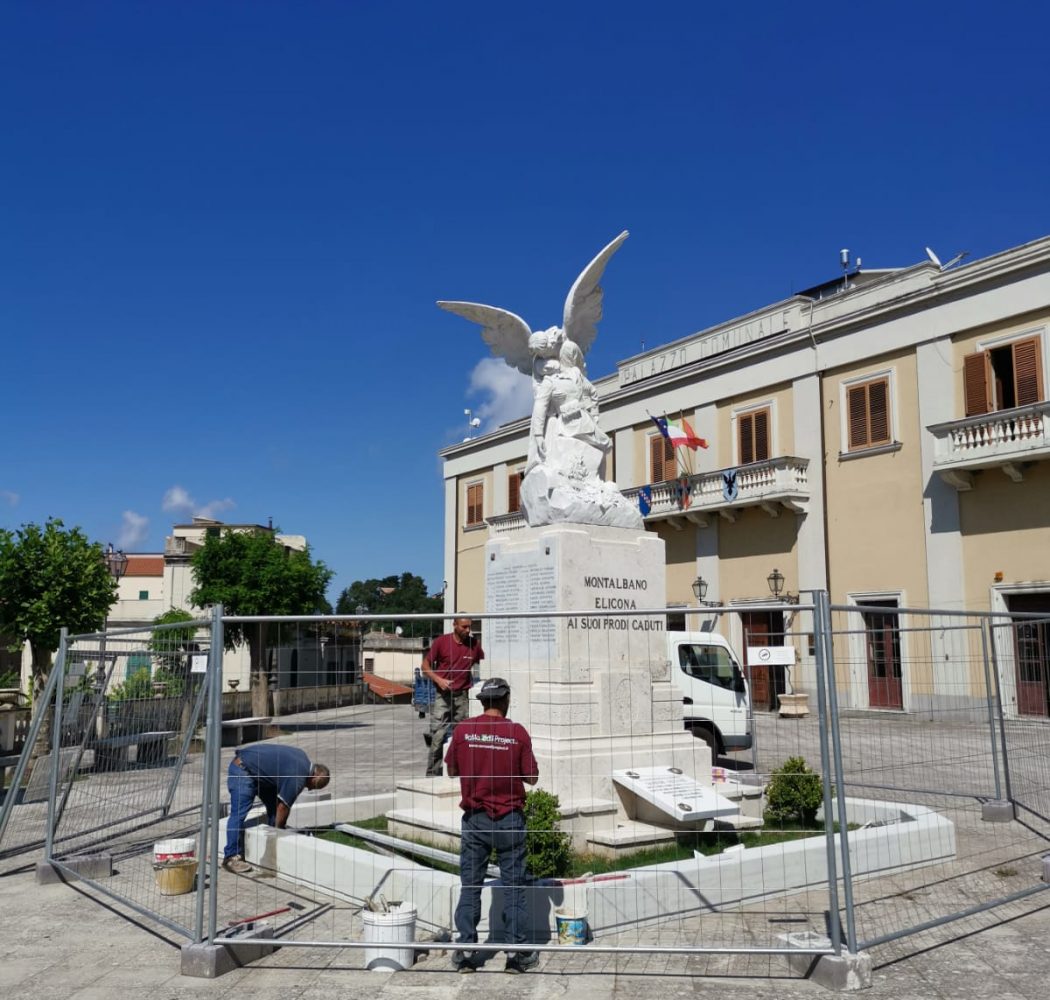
1004	439
775	485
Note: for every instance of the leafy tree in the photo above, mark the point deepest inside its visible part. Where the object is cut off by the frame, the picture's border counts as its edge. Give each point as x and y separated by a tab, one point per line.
171	647
251	573
51	577
392	595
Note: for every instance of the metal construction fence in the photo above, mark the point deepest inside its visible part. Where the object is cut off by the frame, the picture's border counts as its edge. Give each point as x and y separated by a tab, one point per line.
899	787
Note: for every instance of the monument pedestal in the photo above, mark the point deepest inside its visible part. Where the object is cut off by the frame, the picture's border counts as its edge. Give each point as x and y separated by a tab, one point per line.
583	646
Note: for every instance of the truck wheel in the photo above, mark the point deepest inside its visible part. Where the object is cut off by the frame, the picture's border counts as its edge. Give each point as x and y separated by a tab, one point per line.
710	737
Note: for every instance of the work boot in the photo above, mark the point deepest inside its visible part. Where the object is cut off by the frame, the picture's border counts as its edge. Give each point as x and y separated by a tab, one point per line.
236	864
521	961
462	962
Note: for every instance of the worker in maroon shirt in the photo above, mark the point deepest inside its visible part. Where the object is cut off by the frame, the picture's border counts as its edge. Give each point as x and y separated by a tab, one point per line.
492	757
449	663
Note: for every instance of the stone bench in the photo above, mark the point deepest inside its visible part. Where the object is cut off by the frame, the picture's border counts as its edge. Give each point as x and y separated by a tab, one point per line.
237	732
113	753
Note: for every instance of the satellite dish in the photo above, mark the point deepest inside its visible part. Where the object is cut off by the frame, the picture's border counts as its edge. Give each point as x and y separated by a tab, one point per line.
936	260
398	630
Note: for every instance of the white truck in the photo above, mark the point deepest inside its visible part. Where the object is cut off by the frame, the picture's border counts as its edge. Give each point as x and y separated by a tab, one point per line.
717	703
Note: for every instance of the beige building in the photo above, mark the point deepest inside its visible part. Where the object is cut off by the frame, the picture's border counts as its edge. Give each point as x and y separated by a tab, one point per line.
885	437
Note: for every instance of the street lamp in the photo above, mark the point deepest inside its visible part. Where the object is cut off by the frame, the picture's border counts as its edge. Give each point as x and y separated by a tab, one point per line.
116	564
775	580
700	589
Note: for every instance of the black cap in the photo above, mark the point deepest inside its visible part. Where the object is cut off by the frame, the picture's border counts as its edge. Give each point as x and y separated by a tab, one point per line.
493	689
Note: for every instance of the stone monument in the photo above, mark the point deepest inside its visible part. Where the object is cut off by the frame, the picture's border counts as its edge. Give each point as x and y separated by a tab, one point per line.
582	588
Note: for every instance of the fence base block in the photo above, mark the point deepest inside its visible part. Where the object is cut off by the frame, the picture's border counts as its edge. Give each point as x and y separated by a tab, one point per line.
997	811
93	866
209	961
843	972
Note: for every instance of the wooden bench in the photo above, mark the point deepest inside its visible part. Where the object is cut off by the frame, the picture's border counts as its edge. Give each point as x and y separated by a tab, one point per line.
236	732
113	753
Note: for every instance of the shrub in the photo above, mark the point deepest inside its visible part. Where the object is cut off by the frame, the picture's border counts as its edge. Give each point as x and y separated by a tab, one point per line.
548	851
137	686
794	793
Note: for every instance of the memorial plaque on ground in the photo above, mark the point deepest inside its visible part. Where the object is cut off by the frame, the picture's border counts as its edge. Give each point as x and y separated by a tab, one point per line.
675	793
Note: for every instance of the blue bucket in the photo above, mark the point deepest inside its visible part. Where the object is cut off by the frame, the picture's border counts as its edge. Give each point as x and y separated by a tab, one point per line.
572	927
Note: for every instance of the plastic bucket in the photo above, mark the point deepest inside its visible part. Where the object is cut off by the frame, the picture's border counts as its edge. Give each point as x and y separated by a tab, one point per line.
176	849
396	926
175	877
572	927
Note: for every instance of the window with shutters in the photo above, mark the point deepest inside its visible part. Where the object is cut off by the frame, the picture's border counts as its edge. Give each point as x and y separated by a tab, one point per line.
753	436
514	492
868	414
661	459
475	504
1003	377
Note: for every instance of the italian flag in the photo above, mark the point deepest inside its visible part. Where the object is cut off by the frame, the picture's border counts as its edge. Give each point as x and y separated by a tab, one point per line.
679	433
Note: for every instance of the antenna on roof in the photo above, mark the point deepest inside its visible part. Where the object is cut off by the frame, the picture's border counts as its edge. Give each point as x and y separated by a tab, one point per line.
951	263
844	261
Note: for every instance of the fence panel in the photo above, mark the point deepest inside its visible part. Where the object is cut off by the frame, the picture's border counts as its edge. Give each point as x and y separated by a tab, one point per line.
921	737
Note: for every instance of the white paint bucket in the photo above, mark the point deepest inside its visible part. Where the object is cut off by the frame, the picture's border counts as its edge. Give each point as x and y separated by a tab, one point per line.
176	849
396	926
572	927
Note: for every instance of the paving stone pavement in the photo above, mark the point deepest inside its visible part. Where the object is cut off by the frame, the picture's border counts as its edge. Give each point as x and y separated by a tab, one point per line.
65	941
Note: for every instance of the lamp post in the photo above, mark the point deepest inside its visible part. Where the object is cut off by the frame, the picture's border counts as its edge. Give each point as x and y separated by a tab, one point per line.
117	565
700	589
775	580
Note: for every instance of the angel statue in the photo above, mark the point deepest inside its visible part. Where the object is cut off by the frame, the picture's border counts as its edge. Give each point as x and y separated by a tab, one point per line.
565	470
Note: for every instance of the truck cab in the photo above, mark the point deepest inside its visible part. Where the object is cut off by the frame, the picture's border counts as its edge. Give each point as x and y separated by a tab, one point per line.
715	696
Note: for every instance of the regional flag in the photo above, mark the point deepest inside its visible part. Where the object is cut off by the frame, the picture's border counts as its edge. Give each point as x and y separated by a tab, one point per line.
645	500
679	434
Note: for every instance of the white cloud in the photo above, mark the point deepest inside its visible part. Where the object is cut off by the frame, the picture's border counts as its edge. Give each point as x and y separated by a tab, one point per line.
133	530
178	501
507	392
10	497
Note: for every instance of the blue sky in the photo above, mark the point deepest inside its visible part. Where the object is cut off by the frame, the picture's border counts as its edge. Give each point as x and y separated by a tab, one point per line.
223	226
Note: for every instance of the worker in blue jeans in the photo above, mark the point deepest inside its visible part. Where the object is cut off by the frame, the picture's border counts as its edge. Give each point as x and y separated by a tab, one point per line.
275	774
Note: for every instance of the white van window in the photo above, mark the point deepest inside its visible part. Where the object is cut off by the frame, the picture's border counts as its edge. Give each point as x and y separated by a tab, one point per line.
706	663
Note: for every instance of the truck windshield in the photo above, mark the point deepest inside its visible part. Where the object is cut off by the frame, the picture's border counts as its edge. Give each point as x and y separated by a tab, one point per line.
706	663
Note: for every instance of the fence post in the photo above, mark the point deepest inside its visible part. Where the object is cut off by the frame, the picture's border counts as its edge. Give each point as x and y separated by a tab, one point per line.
840	783
996	678
209	832
820	647
989	697
39	713
56	742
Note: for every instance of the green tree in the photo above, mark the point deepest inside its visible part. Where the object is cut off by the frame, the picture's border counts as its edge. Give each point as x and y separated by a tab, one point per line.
251	573
51	577
171	649
392	595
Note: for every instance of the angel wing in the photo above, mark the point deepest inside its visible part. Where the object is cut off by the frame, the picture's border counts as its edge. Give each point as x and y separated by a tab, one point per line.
583	307
506	334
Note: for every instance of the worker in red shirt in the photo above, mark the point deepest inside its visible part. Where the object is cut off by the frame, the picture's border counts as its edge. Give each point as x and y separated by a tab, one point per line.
492	757
449	663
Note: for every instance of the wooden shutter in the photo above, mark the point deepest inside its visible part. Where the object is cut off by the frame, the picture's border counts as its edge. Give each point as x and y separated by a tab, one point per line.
514	492
868	412
753	436
879	412
661	458
761	419
475	504
976	384
1028	377
857	412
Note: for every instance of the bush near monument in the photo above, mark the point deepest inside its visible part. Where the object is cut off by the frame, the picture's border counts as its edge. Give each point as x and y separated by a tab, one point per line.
795	793
548	851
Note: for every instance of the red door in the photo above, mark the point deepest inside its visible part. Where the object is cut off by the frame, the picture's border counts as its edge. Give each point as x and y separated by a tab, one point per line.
882	636
1032	654
763	628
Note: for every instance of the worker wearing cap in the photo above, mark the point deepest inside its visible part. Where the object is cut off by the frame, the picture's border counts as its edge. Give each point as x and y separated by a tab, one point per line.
492	757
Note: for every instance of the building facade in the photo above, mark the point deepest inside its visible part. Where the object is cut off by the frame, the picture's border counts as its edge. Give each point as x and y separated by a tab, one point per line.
884	437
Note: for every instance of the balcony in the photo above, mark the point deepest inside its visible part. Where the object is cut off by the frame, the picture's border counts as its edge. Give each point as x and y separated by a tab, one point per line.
1006	439
774	485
